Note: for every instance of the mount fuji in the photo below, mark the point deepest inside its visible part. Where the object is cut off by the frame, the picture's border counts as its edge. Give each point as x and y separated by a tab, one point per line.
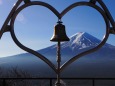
100	64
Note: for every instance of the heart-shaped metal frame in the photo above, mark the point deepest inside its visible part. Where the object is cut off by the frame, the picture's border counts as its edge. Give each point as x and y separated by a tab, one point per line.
59	15
92	3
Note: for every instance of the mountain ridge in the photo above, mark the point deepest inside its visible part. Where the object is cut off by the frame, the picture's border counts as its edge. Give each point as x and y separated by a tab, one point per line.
97	64
63	45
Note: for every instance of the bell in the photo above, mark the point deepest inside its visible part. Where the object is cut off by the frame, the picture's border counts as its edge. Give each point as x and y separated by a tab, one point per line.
59	33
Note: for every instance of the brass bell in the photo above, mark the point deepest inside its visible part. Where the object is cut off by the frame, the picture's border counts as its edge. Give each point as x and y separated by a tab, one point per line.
59	33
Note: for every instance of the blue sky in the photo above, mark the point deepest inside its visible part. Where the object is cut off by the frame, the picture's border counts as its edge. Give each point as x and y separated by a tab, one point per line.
34	25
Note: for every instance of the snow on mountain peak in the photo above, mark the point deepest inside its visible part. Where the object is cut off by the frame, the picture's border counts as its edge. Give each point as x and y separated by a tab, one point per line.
79	33
81	40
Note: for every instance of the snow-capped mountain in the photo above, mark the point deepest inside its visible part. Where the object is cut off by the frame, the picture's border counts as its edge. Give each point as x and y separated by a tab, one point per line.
98	64
79	42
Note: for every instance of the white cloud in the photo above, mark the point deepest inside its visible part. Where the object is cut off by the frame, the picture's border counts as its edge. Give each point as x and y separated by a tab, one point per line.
0	2
21	18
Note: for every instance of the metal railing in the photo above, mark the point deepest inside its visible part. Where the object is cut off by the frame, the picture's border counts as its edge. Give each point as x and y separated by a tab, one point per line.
92	80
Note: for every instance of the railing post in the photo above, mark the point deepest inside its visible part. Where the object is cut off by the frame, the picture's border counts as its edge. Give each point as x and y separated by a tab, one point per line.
93	82
51	82
4	82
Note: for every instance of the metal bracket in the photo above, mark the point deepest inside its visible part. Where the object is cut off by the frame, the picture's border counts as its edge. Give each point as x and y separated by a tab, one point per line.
93	1
112	30
27	1
7	28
